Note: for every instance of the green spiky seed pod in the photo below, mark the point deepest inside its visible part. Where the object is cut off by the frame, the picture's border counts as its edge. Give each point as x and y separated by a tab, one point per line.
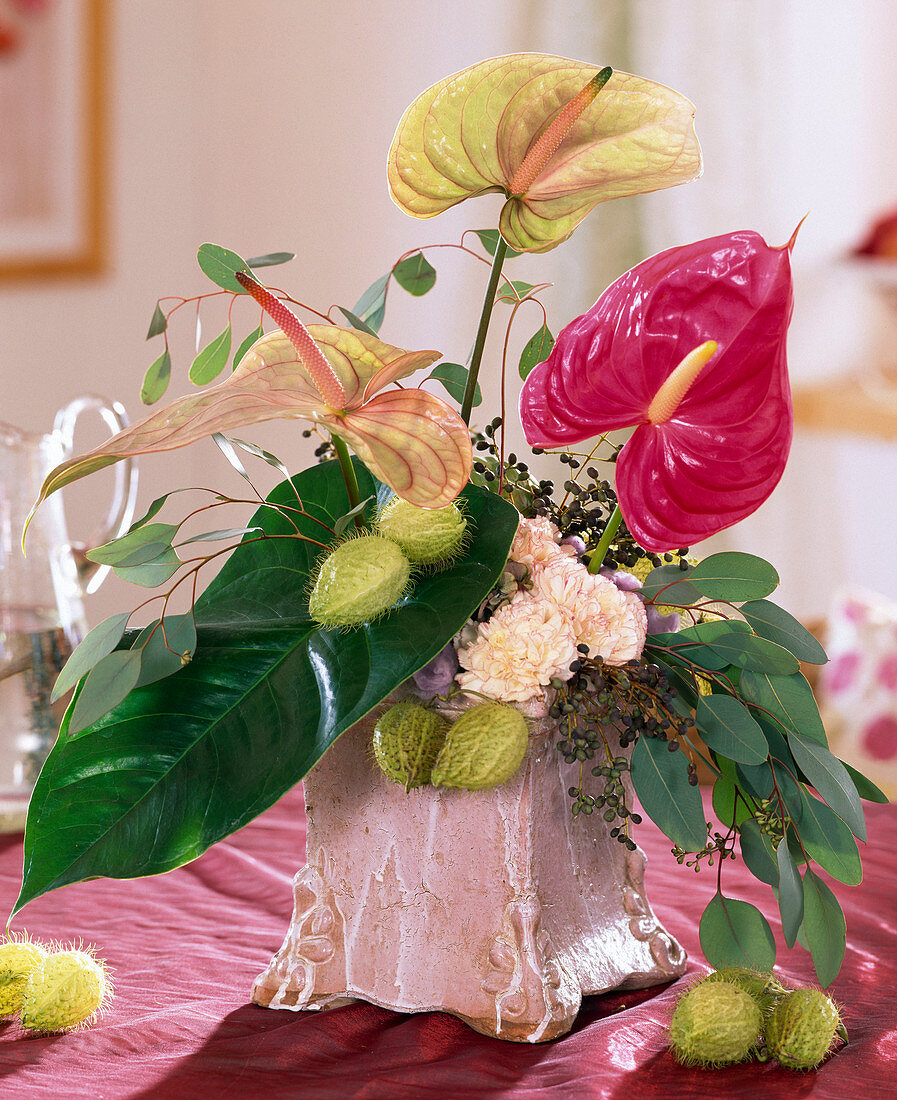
763	986
802	1028
483	748
427	536
407	740
65	991
715	1024
358	581
19	958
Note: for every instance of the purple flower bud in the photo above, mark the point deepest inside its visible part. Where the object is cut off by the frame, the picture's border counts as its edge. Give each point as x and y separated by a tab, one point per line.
662	624
574	541
437	676
626	582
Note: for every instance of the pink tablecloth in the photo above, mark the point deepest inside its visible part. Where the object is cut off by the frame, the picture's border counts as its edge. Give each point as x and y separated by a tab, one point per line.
186	946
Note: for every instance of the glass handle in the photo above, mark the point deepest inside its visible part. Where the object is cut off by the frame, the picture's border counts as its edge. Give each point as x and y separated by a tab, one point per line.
124	497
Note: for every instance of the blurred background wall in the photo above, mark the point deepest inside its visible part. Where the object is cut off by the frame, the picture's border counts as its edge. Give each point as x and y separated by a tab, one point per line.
264	126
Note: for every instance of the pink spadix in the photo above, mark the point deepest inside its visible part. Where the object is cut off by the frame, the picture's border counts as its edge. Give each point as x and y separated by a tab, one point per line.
711	441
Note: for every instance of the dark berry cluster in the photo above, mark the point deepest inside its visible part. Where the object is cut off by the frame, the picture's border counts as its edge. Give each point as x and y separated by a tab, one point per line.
632	701
324	450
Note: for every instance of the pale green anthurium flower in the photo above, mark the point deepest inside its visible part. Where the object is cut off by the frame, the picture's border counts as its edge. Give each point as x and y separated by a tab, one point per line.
536	128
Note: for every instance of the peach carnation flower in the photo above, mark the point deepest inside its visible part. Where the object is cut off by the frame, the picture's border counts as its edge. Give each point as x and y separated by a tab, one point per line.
516	653
536	543
613	624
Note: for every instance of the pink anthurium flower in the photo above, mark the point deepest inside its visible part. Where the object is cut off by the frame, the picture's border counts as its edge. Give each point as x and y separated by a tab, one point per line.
689	348
536	128
331	376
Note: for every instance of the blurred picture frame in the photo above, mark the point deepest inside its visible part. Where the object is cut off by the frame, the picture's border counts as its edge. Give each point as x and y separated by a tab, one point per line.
52	138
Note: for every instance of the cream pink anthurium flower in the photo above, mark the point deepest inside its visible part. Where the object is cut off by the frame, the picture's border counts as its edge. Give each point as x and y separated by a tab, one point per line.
689	348
331	376
536	128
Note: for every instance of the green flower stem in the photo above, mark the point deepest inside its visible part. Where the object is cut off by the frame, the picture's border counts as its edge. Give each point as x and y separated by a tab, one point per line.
606	539
480	343
348	472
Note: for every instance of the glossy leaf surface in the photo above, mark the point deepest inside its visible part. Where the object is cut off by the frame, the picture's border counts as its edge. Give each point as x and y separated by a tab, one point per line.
184	762
470	133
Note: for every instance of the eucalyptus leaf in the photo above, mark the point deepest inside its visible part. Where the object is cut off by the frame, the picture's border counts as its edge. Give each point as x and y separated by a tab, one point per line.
726	725
515	290
672	585
150	574
212	360
758	654
415	274
454	377
735	933
758	853
357	322
156	379
221	535
758	779
535	351
772	622
865	787
105	686
183	763
93	647
729	807
137	546
164	653
827	774
790	893
734	576
824	928
829	841
158	323
343	522
489	239
271	259
789	699
229	451
256	334
255	449
371	306
660	779
219	265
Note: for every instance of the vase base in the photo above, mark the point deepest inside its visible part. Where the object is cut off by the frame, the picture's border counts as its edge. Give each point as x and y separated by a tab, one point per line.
498	906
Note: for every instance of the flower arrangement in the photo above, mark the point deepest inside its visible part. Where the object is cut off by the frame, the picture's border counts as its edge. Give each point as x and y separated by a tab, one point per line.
437	559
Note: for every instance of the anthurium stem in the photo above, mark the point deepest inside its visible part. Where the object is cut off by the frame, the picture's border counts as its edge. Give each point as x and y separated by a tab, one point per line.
606	539
348	472
480	342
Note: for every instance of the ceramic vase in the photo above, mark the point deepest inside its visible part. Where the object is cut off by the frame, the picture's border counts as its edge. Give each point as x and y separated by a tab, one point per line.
498	906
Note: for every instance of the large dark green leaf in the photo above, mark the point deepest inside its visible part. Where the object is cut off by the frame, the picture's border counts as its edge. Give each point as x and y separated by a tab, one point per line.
187	760
735	933
660	778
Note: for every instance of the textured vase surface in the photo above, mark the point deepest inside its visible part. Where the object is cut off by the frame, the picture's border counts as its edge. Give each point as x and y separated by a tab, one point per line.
497	906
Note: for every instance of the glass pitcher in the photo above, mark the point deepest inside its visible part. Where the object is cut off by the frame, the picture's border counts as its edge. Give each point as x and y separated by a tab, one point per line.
41	609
